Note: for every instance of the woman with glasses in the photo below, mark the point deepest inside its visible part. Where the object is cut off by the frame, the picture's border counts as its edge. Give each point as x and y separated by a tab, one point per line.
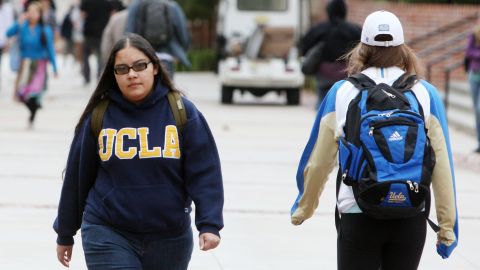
130	188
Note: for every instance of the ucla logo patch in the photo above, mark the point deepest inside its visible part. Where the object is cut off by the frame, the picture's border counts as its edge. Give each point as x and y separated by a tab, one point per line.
395	197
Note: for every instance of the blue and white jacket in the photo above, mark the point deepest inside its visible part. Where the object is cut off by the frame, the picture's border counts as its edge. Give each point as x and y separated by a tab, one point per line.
319	156
140	175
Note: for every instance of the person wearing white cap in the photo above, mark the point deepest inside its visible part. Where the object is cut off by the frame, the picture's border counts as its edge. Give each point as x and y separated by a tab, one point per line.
366	242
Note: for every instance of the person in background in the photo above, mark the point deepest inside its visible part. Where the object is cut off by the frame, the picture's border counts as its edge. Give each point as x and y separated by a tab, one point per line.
49	15
177	47
96	14
6	20
133	206
114	30
77	31
365	242
473	55
340	36
36	50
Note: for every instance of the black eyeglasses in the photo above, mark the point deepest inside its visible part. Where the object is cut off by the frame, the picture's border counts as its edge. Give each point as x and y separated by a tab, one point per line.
124	69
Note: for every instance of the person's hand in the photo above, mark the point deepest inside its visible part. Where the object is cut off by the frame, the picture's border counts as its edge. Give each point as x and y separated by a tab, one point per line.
64	254
208	241
21	18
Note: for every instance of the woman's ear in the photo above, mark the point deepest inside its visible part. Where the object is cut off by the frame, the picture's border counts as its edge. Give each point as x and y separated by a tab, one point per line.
155	69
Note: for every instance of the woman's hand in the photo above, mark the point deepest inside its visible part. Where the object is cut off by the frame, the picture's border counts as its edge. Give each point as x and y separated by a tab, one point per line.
22	18
64	254
208	241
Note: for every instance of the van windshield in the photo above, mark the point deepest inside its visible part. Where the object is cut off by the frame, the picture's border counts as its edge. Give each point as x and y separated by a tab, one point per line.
262	5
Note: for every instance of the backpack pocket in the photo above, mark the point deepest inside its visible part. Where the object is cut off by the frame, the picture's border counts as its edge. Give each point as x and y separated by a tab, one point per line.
349	160
393	138
392	199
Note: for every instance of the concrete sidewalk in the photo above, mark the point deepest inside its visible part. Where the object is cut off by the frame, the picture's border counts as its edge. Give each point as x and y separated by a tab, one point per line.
260	146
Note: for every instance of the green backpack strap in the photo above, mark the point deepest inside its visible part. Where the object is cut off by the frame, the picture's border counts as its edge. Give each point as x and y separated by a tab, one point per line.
178	109
97	117
174	99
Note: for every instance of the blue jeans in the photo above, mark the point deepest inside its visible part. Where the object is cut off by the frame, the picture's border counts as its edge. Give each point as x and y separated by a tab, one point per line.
475	89
108	248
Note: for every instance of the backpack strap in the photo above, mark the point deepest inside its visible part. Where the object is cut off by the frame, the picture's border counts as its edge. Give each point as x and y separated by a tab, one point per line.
178	109
405	82
361	81
97	116
174	100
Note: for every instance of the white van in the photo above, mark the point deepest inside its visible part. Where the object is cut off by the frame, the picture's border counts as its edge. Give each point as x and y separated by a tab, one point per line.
258	40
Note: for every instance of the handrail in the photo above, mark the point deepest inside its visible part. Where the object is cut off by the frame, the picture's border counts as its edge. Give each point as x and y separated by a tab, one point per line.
448	70
449	42
442	57
443	29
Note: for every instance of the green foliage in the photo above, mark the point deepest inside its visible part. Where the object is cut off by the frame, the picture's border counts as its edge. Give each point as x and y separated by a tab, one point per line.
199	9
201	59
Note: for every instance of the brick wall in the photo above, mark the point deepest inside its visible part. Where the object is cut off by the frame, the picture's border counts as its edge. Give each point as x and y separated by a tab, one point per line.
417	19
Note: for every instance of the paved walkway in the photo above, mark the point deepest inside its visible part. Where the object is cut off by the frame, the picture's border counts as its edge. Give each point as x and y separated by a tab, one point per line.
259	145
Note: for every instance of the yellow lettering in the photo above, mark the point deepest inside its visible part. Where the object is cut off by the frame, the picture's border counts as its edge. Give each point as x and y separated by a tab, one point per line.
105	150
144	151
131	133
172	145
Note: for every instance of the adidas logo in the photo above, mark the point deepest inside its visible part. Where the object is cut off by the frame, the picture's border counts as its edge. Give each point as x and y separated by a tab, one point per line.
395	136
390	95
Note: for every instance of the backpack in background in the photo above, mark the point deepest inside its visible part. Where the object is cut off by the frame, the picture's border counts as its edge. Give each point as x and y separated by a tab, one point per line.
153	22
386	156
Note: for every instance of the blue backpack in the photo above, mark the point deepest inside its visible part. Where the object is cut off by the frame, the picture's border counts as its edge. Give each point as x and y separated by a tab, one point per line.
386	156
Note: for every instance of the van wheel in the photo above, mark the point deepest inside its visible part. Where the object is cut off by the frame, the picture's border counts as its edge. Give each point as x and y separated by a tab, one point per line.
227	95
293	96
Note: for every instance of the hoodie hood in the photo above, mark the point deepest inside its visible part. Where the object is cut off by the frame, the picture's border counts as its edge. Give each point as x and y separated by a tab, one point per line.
337	10
158	92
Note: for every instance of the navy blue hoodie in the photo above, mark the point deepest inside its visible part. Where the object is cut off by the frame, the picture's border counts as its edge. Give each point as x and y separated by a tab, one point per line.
141	175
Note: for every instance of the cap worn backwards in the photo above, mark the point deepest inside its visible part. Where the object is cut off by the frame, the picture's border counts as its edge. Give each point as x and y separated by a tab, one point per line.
382	28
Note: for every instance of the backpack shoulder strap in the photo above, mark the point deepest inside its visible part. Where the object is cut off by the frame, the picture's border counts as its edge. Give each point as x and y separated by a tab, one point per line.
97	117
361	81
178	109
405	82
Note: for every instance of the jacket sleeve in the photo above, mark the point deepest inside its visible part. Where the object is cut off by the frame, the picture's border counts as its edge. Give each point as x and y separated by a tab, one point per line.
79	177
179	22
203	176
443	177
13	30
317	161
50	47
472	52
131	24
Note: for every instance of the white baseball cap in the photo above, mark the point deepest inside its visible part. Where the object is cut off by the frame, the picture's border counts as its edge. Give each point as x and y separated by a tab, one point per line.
382	28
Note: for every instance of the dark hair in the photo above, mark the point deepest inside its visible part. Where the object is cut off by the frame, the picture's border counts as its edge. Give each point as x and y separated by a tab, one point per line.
43	37
107	81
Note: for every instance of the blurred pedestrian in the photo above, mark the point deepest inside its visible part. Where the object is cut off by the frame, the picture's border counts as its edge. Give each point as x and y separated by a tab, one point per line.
134	206
338	37
114	30
77	31
365	241
36	49
473	56
96	14
173	27
6	20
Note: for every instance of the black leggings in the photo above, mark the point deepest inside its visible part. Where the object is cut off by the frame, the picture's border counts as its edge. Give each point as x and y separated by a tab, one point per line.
32	105
365	243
